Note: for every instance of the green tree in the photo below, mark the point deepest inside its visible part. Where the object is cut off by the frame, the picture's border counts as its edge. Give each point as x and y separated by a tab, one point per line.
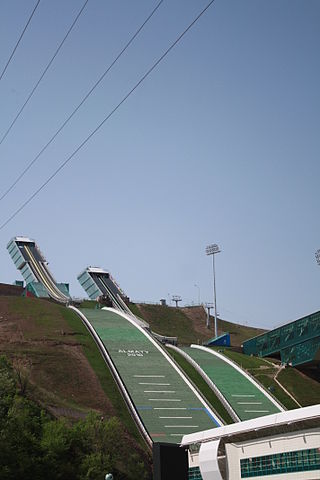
103	438
62	448
20	441
7	387
34	446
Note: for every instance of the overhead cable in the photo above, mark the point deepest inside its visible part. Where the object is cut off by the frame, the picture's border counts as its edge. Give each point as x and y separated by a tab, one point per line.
19	40
44	72
62	165
81	103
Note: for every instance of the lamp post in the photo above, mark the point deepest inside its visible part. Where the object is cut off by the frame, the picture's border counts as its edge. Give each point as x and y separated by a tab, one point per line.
317	255
197	286
212	250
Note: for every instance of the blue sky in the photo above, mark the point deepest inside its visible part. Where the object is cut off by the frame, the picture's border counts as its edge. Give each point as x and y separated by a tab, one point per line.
219	145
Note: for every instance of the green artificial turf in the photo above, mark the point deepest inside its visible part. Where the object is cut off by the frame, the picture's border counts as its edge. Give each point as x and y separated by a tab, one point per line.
202	386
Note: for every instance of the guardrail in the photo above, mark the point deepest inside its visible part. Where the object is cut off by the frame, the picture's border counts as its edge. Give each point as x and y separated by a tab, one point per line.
164	339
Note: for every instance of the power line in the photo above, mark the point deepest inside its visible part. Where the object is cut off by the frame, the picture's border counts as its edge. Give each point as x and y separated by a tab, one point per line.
19	40
44	72
107	117
82	102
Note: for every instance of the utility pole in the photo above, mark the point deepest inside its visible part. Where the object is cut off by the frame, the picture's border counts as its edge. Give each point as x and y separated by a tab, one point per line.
208	307
177	299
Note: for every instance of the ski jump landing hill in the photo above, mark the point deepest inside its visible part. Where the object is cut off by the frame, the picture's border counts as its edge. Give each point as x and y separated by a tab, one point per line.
241	395
162	400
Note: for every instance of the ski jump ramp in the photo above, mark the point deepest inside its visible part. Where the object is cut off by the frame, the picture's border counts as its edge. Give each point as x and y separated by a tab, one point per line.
164	403
244	398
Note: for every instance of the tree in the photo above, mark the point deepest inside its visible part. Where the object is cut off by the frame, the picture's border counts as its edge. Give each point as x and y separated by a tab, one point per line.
34	446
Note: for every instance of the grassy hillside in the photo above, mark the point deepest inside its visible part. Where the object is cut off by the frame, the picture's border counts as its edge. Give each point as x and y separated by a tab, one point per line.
189	324
304	389
58	360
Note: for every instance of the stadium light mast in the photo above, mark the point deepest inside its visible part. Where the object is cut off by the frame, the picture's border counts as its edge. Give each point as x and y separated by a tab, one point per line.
212	250
317	255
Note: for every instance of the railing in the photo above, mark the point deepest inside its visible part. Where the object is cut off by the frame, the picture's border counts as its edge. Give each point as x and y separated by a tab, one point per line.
164	339
145	302
186	305
288	335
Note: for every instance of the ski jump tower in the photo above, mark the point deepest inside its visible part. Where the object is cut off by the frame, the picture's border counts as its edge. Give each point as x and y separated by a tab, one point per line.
29	260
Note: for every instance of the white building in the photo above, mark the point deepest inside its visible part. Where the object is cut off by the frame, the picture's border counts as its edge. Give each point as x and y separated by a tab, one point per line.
283	446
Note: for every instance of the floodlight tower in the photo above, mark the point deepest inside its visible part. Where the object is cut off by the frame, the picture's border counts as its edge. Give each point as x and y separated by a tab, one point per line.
212	250
176	298
317	255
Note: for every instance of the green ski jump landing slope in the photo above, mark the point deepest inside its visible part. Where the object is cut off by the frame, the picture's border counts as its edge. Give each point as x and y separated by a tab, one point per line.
246	397
166	402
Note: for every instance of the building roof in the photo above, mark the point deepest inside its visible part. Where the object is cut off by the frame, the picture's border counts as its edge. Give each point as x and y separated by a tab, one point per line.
96	270
21	239
308	416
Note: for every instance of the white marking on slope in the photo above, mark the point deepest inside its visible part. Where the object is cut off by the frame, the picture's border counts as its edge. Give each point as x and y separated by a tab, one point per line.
234	395
176	417
159	391
181	426
169	408
257	411
156	384
164	400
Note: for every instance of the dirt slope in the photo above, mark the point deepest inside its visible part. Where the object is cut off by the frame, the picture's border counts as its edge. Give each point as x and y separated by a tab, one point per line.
189	324
238	332
37	336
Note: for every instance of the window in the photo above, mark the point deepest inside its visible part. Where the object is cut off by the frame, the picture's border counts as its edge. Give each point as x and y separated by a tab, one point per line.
194	473
286	462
